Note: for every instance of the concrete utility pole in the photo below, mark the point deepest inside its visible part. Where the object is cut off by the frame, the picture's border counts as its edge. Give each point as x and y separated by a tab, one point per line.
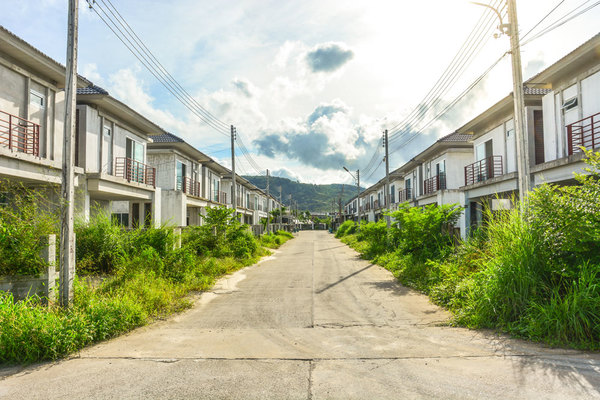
280	207
519	105
67	230
268	205
387	177
234	186
358	196
340	203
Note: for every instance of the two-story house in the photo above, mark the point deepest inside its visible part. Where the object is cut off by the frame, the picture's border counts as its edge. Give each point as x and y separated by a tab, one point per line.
490	179
189	180
32	107
571	113
111	148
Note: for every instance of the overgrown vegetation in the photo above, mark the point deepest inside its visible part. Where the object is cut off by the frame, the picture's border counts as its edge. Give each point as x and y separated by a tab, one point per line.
25	217
534	274
143	277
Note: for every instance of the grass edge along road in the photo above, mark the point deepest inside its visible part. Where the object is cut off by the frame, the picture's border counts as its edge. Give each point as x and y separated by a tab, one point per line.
534	275
144	278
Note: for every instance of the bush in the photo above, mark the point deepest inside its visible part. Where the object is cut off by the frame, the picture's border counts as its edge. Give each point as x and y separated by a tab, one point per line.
23	223
347	228
424	232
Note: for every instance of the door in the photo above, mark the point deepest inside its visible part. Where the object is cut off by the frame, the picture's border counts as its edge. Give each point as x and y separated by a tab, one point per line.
538	135
134	151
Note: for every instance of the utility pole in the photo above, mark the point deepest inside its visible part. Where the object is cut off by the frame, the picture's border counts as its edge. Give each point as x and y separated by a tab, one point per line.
268	205
340	203
387	176
234	186
280	207
67	230
519	105
358	196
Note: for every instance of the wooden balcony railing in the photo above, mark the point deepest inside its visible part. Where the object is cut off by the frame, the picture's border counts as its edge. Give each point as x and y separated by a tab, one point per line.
18	134
483	170
135	171
405	195
584	133
435	183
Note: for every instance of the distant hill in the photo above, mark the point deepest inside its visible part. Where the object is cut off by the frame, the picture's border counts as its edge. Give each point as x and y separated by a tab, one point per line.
314	198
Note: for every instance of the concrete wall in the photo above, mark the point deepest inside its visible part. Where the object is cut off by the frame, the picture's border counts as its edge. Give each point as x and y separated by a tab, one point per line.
165	169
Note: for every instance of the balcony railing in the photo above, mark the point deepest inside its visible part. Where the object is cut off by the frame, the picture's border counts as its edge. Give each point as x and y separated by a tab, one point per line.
405	195
135	171
219	197
483	170
18	134
435	183
189	186
584	133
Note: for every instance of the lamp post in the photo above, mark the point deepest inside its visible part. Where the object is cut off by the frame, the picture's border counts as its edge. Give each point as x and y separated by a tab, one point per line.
357	179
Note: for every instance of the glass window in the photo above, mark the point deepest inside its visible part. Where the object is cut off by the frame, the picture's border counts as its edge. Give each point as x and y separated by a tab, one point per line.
37	98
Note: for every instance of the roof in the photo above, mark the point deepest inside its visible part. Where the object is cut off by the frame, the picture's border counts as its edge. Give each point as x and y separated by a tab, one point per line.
91	89
586	52
167	137
456	137
24	52
535	91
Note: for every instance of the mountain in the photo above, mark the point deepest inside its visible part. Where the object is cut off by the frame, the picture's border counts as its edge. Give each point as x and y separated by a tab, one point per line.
314	198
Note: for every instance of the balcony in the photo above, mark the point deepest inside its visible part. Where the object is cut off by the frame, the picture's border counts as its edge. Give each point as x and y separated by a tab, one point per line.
135	171
435	183
19	135
219	197
405	195
189	186
483	170
584	133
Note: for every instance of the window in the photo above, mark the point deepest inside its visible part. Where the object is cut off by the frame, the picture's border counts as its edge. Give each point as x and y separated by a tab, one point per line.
37	98
392	194
180	175
569	104
121	219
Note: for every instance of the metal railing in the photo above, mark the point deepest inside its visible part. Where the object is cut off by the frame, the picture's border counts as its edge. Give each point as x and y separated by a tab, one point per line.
189	186
435	183
483	170
405	195
584	133
18	134
219	197
135	171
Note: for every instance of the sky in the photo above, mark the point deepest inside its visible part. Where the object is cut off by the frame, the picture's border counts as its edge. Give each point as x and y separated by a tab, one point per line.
310	85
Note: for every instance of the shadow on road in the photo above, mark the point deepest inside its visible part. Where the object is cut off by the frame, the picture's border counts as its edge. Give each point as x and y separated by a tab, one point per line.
343	279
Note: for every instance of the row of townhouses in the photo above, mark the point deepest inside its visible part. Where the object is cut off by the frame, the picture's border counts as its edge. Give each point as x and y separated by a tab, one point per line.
476	165
126	165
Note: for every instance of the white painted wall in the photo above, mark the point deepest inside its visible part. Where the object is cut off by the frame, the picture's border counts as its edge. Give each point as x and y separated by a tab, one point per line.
590	95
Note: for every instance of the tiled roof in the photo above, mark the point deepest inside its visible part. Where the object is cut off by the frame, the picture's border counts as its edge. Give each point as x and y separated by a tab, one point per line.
167	138
456	137
535	91
91	89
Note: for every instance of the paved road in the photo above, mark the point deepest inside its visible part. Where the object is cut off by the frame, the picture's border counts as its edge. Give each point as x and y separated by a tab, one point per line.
311	322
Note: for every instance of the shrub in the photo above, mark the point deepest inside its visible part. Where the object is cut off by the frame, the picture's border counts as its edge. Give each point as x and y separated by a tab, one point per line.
347	228
425	232
23	222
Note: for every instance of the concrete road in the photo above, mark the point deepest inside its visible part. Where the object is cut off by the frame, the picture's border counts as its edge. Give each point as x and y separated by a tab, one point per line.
311	322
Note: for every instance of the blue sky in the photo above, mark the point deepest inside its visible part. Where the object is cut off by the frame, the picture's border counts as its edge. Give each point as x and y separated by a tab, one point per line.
309	84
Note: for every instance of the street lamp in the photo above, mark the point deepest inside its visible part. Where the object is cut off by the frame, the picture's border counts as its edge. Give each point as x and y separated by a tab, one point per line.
357	179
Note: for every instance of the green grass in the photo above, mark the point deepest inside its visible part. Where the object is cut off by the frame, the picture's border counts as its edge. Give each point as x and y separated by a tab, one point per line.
533	274
147	279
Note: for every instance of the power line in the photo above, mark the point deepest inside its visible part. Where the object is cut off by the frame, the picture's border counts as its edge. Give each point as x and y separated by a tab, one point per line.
132	43
562	20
